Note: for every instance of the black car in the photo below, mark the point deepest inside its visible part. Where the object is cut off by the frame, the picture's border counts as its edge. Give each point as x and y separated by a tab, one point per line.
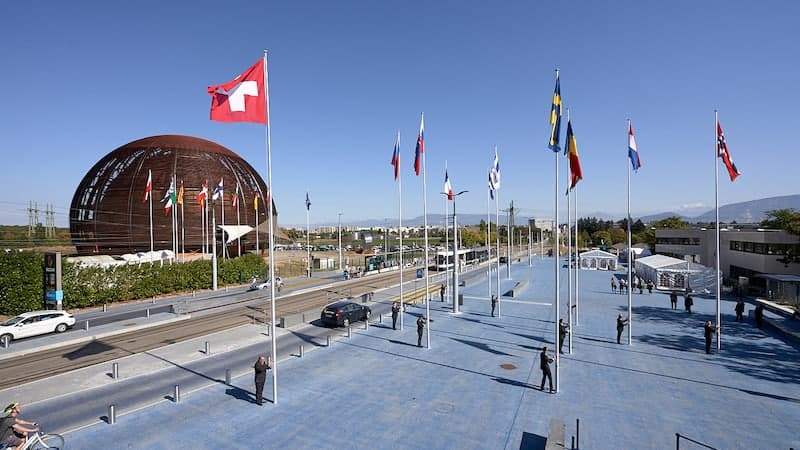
343	313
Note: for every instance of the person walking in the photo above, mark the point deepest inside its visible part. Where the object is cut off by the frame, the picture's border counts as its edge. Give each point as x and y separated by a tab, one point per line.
673	299
613	285
650	287
620	326
421	321
759	315
562	334
687	303
260	367
395	311
441	293
708	331
739	310
494	304
544	364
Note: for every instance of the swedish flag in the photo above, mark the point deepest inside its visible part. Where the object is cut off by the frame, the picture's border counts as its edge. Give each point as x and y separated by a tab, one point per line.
555	118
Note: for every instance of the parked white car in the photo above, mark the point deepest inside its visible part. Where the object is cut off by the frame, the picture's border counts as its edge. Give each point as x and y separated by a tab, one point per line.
264	284
35	323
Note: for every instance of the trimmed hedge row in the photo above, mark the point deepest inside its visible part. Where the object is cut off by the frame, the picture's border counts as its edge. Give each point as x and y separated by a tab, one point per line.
21	280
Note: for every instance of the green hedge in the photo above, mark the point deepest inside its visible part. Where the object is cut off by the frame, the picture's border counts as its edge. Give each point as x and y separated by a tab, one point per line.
21	280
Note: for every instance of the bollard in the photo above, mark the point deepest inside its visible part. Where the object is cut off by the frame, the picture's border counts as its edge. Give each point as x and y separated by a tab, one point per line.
226	288
112	414
329	340
148	313
380	318
366	323
349	331
86	325
176	394
115	371
105	307
208	348
154	300
193	294
228	377
4	341
269	327
578	433
301	350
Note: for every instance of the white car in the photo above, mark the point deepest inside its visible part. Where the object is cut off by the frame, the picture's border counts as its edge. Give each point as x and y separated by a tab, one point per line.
35	323
264	284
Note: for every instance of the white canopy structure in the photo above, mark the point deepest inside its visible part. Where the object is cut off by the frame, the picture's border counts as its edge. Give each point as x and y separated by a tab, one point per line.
233	232
598	260
675	274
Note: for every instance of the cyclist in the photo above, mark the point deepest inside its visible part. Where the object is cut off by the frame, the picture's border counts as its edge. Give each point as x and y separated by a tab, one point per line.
14	431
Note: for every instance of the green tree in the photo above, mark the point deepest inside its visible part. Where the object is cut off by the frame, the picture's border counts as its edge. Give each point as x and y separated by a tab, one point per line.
783	219
601	237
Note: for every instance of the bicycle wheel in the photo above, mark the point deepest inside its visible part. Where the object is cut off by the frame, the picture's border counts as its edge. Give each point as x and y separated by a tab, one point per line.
49	441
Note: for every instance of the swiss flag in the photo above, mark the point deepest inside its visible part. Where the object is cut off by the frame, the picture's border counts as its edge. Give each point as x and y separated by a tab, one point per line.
242	100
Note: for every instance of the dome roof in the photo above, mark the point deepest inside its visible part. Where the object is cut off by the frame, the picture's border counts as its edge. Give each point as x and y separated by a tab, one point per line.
108	213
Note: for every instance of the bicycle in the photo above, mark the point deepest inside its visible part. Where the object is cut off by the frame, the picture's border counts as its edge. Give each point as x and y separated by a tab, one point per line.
39	441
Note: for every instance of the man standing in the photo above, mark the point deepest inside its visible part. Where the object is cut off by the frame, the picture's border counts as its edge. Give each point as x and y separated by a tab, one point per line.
562	334
420	328
261	366
739	310
613	285
673	300
620	326
687	303
759	315
544	364
494	304
708	330
395	311
441	293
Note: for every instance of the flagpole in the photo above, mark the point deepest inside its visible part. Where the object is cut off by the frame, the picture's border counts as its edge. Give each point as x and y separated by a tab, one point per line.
630	250
569	243
497	242
255	208
577	263
716	233
427	262
308	237
238	218
174	219
271	190
183	229
556	261
488	235
224	243
446	243
150	197
400	231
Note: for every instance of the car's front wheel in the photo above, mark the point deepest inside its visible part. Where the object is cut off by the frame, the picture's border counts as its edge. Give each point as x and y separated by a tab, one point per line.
60	328
346	322
6	337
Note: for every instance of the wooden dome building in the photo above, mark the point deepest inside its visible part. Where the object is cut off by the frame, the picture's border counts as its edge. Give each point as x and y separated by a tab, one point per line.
109	213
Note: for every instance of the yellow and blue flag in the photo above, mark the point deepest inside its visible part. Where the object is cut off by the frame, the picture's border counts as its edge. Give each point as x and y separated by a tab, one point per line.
555	117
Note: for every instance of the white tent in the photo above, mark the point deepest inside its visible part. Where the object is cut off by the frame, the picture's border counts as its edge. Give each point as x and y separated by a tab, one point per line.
598	260
672	273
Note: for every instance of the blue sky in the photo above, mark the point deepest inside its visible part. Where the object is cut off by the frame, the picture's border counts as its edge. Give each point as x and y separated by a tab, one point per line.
83	78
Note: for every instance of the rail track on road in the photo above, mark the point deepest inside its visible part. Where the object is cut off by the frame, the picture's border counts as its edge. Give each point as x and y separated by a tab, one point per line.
253	307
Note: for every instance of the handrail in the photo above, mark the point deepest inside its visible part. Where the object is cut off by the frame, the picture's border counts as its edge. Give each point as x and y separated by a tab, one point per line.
678	437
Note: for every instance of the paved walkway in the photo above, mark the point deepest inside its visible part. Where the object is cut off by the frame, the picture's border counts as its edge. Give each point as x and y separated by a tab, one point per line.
477	387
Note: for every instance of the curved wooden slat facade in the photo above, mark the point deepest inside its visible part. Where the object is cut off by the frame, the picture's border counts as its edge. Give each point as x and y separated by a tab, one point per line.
108	216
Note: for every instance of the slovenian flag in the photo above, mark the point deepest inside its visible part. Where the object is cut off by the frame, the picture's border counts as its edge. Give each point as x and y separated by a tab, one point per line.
633	152
420	146
448	189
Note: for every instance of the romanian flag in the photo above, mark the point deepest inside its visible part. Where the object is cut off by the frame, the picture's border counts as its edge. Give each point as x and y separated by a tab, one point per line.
722	152
420	146
555	118
396	157
575	173
633	151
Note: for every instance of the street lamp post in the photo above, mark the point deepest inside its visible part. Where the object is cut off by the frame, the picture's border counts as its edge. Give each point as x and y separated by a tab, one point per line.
340	242
455	252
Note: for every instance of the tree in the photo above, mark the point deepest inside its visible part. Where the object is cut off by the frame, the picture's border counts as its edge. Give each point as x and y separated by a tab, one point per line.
601	237
673	222
787	219
618	235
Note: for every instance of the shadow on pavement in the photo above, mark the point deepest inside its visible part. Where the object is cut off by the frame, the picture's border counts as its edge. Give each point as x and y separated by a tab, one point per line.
531	441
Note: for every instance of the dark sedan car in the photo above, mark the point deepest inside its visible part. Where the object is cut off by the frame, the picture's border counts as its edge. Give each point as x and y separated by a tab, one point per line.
343	313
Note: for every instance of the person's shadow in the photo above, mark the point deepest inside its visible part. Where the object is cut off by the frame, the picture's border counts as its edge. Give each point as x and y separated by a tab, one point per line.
241	394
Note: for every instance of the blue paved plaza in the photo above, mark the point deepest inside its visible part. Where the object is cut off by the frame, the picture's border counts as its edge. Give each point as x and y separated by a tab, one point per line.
477	387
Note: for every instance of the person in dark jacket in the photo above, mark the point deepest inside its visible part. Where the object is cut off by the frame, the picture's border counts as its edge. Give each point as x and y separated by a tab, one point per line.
441	293
708	331
687	303
544	364
673	300
494	304
562	334
739	310
421	321
759	315
395	311
620	326
261	366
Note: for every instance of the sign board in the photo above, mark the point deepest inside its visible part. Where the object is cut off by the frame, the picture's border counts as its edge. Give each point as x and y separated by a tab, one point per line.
53	295
419	273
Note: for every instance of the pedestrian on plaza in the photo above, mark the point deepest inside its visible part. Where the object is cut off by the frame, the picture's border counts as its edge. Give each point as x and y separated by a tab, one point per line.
494	304
640	285
708	330
650	287
395	311
622	285
13	430
613	285
673	299
441	293
759	315
260	367
739	310
544	364
620	326
688	302
562	334
421	321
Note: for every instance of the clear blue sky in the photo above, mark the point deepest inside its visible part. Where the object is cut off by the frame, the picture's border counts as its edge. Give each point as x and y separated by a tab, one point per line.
83	78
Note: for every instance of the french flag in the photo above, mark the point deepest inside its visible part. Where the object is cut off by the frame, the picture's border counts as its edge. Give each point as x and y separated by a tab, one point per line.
448	188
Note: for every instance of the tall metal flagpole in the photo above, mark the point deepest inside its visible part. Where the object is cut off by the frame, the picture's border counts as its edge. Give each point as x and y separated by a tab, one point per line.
308	237
716	230
569	249
427	263
400	231
556	258
630	250
271	191
150	197
497	242
446	244
509	237
488	235
255	210
238	217
577	263
224	243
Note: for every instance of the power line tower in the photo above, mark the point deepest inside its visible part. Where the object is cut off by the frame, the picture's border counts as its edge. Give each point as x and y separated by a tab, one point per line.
50	222
33	218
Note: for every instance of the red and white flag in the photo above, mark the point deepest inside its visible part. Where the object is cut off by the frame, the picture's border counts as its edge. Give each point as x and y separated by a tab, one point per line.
244	99
448	188
148	187
201	197
722	152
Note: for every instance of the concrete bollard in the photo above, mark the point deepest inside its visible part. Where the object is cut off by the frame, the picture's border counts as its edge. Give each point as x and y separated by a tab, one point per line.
112	414
366	324
349	331
148	312
4	341
380	318
228	377
329	340
86	325
269	328
105	307
176	394
208	348
154	300
301	350
193	293
115	371
226	288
